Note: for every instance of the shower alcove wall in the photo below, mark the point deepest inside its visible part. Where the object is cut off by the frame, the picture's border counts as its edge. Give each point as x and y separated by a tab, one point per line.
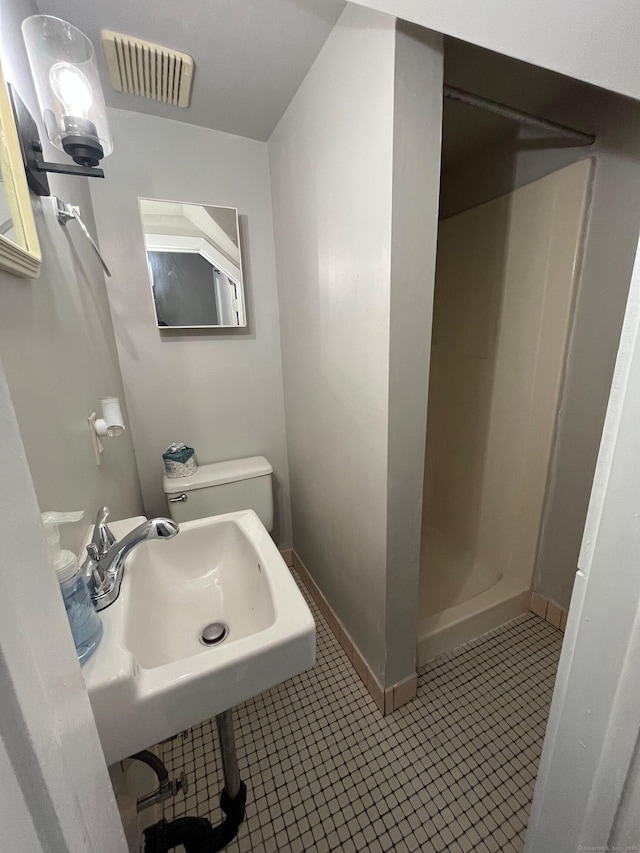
506	276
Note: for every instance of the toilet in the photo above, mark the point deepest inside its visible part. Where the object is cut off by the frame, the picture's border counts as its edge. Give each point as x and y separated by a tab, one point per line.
223	487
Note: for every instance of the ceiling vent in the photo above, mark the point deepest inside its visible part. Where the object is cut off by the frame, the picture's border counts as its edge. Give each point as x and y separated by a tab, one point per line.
149	70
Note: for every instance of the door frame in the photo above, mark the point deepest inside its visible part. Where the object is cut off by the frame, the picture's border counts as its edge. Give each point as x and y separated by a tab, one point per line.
588	772
55	792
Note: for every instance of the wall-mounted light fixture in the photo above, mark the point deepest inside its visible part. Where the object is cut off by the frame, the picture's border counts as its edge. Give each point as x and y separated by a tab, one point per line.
64	70
111	424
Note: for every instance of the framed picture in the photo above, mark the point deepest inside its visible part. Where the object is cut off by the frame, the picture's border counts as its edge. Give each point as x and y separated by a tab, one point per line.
19	245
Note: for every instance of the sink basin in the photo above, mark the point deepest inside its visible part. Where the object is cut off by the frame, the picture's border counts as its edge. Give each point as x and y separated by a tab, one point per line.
209	572
152	676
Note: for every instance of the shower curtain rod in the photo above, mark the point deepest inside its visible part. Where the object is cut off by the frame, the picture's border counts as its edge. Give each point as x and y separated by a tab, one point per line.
463	97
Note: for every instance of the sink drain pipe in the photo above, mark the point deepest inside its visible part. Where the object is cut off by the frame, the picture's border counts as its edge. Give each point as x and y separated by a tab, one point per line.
196	833
232	783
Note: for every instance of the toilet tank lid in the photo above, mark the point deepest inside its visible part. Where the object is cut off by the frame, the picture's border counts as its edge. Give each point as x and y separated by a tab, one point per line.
219	473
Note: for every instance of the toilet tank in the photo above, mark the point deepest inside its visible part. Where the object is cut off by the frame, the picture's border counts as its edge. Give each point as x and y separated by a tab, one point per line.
223	487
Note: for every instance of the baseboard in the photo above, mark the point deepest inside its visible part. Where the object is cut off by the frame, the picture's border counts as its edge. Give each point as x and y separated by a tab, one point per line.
287	556
387	699
548	610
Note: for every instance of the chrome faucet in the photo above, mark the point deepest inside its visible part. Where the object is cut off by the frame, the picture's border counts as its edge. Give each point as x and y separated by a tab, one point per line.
103	566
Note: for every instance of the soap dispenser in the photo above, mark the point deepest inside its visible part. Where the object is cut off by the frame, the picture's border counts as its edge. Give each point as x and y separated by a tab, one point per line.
86	625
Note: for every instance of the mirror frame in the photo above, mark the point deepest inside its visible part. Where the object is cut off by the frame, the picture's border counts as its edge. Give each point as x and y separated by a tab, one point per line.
24	257
196	249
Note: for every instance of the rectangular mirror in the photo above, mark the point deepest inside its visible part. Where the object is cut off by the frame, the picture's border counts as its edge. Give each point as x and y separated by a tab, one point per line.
195	268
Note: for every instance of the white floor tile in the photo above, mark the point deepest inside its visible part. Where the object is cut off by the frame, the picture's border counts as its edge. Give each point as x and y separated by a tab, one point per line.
325	772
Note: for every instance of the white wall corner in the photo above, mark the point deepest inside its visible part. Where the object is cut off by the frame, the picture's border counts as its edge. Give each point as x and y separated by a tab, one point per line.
417	138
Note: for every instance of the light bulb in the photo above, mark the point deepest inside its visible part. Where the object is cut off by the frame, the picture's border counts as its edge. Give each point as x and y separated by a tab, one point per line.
72	89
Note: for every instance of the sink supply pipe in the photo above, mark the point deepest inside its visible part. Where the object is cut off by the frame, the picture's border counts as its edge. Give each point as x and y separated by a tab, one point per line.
166	787
151	760
196	833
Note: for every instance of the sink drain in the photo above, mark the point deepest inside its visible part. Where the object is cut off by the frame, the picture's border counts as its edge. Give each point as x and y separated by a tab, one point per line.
214	634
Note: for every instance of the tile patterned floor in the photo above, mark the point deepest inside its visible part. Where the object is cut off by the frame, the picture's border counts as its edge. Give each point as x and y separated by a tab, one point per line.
451	771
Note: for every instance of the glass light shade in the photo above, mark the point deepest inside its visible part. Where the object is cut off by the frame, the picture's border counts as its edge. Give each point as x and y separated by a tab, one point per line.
64	70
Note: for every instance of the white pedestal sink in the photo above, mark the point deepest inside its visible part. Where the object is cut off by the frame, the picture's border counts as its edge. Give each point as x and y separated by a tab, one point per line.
151	676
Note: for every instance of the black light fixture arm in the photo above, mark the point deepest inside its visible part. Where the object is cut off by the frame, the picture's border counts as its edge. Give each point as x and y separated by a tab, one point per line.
35	165
68	169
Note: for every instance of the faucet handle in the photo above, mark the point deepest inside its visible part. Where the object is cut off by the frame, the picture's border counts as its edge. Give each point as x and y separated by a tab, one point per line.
102	538
97	579
92	570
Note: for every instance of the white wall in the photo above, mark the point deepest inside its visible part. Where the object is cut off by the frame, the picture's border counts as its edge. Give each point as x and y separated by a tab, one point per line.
610	245
337	170
57	343
597	43
220	392
331	170
417	133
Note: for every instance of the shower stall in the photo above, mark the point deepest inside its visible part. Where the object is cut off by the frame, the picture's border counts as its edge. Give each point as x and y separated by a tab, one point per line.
506	278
